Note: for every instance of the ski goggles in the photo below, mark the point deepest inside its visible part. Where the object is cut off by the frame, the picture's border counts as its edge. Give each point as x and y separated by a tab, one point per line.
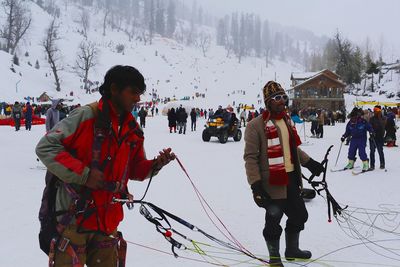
278	98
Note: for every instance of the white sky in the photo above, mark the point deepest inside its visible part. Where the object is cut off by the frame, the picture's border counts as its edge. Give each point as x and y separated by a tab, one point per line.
356	19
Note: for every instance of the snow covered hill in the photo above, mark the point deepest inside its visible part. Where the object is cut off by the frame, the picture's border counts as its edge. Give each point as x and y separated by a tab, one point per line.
171	69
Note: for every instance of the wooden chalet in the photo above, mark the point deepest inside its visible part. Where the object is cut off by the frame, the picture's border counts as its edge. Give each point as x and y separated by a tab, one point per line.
322	89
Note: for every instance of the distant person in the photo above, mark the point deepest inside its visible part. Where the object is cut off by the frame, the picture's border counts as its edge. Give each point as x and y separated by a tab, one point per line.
357	128
193	118
243	118
28	116
391	129
182	120
142	116
17	115
53	114
378	123
135	113
172	120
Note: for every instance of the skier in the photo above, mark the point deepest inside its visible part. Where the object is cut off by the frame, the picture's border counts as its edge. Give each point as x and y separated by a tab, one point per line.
28	116
17	115
172	120
272	161
88	233
357	128
378	123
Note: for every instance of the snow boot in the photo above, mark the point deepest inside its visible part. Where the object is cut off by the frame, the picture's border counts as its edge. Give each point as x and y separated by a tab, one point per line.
382	166
274	256
365	166
349	165
292	251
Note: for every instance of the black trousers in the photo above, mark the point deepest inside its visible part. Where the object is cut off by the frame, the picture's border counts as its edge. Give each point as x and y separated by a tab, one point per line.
293	207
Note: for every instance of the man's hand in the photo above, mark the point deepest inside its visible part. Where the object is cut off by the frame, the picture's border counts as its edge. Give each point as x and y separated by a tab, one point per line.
261	198
163	159
95	180
314	167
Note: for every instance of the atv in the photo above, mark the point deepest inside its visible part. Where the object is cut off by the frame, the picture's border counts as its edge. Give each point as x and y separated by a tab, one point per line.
223	130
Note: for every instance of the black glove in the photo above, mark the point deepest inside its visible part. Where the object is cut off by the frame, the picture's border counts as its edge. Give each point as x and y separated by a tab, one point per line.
261	198
314	167
372	135
342	138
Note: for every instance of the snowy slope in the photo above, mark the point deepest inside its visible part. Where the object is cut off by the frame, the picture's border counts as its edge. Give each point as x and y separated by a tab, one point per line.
218	171
171	69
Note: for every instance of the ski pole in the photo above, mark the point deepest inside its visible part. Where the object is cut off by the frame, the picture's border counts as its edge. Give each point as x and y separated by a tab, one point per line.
340	149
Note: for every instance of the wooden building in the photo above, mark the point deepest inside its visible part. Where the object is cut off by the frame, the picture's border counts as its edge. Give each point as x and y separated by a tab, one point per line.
322	89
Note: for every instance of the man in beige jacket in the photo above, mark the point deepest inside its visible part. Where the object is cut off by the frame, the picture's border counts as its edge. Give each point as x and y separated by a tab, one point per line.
273	162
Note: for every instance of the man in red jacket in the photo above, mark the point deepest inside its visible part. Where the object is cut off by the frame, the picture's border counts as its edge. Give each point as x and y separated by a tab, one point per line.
94	152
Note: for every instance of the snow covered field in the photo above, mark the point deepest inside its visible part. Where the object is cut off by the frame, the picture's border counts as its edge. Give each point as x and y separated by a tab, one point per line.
218	171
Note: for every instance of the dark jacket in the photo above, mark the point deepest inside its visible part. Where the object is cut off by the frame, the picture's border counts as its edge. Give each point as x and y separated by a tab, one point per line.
172	118
378	124
182	115
193	115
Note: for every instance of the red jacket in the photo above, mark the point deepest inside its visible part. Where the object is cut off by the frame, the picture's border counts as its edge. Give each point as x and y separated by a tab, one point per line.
67	152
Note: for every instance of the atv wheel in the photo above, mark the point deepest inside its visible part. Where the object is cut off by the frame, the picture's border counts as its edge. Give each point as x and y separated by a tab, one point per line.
206	136
237	136
223	137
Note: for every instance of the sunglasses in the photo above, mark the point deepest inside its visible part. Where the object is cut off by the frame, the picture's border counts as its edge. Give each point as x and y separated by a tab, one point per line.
278	98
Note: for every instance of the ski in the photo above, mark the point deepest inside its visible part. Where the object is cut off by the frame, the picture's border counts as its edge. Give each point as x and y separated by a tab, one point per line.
340	170
361	172
42	168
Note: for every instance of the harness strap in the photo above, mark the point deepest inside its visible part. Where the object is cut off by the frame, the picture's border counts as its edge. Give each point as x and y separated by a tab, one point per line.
122	247
64	245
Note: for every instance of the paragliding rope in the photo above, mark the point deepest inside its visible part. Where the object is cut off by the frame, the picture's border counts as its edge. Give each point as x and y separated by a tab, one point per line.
231	252
360	223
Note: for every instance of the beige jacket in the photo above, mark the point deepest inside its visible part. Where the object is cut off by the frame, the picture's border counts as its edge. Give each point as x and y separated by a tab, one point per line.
256	159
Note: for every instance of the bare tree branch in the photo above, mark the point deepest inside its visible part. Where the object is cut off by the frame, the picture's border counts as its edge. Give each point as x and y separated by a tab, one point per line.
18	21
86	59
52	51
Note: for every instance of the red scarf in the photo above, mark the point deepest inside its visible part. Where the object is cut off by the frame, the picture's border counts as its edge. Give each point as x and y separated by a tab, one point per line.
277	171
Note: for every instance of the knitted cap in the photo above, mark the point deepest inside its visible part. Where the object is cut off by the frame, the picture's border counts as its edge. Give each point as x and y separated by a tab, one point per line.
272	89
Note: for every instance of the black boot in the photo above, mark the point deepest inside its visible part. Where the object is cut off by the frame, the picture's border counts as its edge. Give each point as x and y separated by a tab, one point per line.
274	256
292	251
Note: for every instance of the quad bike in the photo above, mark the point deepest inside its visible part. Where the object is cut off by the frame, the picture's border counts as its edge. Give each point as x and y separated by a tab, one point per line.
223	130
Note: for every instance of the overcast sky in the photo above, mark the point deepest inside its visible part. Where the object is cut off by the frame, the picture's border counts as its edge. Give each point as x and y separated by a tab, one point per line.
356	19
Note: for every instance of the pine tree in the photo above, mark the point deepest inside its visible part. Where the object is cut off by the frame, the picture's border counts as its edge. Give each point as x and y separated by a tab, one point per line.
171	19
242	38
221	32
16	60
266	42
235	32
257	36
160	19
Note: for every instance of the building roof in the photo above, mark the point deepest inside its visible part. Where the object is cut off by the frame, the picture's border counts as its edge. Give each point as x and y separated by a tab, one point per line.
302	75
308	75
318	75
